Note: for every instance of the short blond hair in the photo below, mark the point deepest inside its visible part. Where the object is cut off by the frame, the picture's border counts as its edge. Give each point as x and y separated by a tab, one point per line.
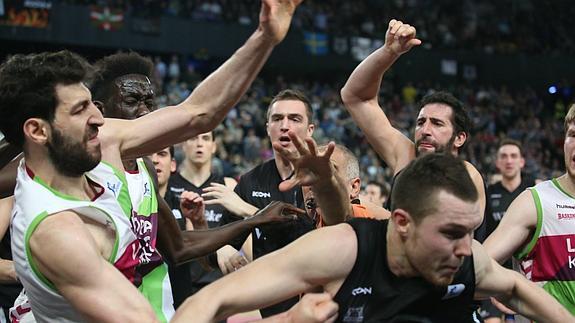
570	117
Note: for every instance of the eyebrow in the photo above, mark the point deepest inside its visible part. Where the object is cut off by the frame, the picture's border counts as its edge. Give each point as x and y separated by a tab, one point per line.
78	104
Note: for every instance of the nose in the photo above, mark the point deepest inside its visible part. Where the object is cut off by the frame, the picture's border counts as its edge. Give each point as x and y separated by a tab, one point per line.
463	246
97	118
425	128
284	125
154	159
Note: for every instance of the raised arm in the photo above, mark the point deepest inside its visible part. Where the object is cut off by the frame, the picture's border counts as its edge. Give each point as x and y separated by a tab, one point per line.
360	97
209	103
317	170
515	229
514	290
304	264
68	255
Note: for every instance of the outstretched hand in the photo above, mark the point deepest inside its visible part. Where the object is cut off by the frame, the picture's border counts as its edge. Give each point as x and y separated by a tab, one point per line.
278	211
310	165
400	37
275	18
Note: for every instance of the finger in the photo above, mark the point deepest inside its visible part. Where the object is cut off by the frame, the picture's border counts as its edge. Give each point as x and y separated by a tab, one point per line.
396	27
392	22
298	144
330	149
404	30
414	42
291	209
327	310
217	185
212	194
286	153
311	146
229	267
212	202
288	184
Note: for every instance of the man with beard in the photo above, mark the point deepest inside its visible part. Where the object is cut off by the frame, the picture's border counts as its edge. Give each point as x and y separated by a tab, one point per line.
421	265
441	126
538	229
73	217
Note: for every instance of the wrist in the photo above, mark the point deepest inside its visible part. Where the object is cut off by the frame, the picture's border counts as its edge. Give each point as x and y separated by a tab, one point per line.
390	53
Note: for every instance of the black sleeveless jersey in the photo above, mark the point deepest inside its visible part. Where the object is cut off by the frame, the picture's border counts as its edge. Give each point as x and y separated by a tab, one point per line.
190	277
259	187
372	293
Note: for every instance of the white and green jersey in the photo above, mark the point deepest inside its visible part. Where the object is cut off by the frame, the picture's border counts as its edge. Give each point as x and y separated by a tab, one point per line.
126	204
549	258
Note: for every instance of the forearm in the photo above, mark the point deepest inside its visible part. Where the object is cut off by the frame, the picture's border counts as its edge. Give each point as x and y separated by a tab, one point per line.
333	200
7	272
243	209
199	243
535	303
365	81
223	88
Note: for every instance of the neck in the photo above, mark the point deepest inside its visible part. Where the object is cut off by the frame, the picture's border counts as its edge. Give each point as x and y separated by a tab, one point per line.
396	258
567	183
196	174
285	168
163	188
78	187
511	184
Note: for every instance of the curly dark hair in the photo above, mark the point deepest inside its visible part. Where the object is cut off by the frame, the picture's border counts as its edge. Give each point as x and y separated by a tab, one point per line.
459	118
28	88
111	67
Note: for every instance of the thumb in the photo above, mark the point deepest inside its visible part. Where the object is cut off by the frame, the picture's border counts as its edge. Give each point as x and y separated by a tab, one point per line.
288	184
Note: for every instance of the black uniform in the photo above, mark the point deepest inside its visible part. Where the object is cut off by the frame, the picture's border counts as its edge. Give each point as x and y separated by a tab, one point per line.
190	277
372	293
498	200
259	187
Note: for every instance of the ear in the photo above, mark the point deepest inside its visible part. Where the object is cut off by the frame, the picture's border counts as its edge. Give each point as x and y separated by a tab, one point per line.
460	139
268	128
402	221
521	163
310	129
36	130
355	188
214	146
172	165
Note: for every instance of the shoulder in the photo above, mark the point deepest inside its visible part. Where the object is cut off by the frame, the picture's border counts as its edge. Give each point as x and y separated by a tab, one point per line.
261	171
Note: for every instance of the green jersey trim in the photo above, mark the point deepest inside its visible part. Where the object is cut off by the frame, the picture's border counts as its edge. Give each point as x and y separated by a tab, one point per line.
152	289
527	249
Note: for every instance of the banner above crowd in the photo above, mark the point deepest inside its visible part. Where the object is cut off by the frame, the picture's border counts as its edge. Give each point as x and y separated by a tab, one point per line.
25	13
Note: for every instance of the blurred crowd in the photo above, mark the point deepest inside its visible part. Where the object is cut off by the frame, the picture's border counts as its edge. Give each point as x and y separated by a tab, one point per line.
531	117
507	26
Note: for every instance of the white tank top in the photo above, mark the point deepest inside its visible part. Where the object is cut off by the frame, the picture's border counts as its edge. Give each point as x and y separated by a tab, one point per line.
134	220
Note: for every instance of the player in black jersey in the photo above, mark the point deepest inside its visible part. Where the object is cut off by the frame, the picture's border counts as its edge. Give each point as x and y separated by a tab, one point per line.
421	265
442	124
509	161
